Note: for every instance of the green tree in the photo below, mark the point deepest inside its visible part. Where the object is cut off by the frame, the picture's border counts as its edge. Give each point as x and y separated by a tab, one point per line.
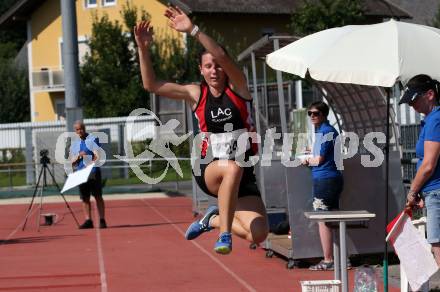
171	60
5	5
11	38
317	15
436	20
14	90
110	77
14	93
110	85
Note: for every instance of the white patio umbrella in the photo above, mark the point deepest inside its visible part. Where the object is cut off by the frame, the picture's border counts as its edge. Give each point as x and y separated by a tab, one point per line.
376	55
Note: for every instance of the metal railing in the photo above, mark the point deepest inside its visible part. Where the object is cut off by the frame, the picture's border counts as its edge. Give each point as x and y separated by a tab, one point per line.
22	142
115	172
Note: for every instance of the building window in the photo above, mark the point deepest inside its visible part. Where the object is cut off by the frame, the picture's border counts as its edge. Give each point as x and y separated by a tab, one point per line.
108	2
60	110
91	3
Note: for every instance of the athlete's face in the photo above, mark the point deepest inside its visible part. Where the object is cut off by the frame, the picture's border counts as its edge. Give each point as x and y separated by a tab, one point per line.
212	72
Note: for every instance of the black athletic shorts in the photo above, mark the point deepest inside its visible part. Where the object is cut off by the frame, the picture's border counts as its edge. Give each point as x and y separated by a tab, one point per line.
92	187
248	184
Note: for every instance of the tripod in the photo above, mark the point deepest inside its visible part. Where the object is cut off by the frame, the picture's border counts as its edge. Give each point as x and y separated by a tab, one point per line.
44	161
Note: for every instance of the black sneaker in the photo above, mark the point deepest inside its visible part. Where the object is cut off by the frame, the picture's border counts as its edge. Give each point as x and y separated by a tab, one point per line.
102	224
87	224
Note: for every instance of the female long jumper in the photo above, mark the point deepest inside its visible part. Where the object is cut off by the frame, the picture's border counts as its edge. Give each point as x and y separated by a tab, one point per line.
221	104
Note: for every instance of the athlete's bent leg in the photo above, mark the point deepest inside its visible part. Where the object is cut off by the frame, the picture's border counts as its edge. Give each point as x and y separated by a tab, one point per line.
250	219
223	179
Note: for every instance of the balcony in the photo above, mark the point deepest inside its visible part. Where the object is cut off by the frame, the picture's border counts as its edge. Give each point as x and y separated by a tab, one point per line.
48	79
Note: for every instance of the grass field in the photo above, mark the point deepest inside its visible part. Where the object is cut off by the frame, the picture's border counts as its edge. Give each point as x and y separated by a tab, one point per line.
15	179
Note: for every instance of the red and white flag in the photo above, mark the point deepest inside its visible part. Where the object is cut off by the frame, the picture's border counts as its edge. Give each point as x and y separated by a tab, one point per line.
414	252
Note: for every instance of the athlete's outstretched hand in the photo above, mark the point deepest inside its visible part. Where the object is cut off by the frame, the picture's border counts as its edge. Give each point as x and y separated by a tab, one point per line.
178	19
143	33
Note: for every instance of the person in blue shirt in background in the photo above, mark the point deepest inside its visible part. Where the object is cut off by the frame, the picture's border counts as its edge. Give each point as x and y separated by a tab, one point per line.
327	179
422	94
84	151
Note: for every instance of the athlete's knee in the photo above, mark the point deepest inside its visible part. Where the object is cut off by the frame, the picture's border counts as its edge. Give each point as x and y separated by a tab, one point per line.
233	170
258	236
258	230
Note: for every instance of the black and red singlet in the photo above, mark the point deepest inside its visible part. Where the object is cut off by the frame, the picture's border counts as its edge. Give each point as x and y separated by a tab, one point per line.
213	113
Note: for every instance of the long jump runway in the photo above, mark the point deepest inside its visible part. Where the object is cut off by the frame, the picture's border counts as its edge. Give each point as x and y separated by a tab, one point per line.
142	250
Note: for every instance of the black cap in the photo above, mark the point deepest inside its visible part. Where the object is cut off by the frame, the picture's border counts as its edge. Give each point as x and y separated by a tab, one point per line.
417	86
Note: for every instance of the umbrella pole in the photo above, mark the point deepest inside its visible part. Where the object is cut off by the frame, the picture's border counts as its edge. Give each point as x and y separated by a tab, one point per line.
387	160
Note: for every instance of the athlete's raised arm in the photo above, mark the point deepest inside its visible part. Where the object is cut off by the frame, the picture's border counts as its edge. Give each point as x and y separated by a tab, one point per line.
143	33
179	21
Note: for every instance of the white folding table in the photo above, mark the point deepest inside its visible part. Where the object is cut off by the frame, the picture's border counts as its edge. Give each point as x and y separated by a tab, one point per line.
340	253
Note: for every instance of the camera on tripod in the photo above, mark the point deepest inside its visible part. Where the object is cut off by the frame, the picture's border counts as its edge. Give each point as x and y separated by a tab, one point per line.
44	157
39	188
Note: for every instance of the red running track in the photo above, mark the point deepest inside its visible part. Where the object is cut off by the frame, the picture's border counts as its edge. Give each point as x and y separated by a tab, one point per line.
142	250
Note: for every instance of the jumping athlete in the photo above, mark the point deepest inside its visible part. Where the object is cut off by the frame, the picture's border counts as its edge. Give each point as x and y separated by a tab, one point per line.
221	104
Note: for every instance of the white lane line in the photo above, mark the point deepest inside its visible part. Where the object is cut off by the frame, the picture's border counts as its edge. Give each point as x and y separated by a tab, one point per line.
223	266
103	275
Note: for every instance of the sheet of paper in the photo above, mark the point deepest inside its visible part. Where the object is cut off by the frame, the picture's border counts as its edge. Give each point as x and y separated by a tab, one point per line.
414	253
78	177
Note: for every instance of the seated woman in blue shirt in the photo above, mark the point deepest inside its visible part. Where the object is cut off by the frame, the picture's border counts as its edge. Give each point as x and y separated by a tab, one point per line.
422	94
327	179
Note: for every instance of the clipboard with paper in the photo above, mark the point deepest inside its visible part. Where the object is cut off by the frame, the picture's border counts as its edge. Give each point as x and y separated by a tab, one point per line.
78	177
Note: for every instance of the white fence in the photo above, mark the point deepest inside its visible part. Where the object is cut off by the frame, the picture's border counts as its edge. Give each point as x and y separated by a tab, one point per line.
13	136
26	140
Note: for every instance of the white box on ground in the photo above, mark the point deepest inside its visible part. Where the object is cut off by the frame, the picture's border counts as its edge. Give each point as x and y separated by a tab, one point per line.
321	286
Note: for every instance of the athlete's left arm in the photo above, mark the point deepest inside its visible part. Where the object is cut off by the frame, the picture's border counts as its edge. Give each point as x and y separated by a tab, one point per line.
181	22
